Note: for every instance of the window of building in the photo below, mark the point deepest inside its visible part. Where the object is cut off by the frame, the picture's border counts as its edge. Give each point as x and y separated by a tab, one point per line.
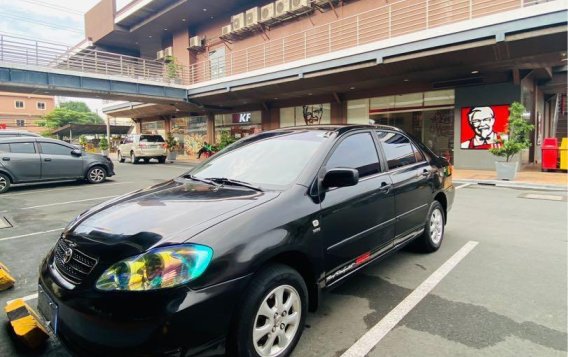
311	114
20	123
397	148
19	104
154	127
41	105
22	148
238	125
190	133
357	152
55	149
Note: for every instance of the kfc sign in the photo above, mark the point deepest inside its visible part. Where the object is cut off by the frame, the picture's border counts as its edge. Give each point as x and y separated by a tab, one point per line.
482	126
242	118
2	126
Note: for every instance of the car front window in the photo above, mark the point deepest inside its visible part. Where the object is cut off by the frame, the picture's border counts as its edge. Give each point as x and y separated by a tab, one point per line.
266	160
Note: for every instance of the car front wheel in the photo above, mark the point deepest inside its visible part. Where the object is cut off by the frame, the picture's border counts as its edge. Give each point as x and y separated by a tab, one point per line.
96	174
271	320
4	183
133	158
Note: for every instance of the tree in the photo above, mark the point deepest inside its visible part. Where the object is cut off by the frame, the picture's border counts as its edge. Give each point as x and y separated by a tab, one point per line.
70	113
518	136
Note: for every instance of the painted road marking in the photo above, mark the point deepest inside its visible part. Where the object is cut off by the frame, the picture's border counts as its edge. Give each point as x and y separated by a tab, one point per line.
25	298
64	203
63	189
383	327
31	234
462	186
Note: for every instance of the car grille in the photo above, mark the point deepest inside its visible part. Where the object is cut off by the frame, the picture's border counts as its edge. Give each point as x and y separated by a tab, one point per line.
78	266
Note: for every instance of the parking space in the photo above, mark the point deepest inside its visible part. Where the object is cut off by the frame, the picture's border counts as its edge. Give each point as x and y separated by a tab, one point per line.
506	297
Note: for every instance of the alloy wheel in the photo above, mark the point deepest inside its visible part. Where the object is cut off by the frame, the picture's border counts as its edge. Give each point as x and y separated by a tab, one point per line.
96	175
3	183
436	226
277	321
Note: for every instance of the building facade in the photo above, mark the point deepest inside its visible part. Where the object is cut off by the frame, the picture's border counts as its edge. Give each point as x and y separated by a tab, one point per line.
444	70
22	111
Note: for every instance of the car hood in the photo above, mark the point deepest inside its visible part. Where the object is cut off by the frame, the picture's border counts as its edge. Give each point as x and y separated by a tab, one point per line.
167	213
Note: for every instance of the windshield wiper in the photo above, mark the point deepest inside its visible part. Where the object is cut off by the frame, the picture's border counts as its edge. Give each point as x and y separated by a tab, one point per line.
228	181
195	178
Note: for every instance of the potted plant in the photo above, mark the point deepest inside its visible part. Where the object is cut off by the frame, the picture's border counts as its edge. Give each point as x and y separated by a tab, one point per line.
103	145
513	141
171	145
83	141
173	69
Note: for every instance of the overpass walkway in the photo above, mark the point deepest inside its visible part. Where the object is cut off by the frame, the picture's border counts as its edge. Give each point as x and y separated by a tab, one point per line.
48	68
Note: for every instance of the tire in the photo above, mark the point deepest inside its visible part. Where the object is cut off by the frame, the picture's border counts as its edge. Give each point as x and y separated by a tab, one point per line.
96	174
434	230
133	158
120	158
281	327
162	159
4	183
146	160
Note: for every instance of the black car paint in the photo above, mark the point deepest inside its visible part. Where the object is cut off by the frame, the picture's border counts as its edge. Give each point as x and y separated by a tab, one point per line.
303	226
34	165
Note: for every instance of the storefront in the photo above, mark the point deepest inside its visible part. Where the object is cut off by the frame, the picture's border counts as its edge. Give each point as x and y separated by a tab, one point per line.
428	116
153	127
190	133
237	125
311	114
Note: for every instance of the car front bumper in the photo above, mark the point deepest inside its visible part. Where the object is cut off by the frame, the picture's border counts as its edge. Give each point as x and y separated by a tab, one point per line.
171	322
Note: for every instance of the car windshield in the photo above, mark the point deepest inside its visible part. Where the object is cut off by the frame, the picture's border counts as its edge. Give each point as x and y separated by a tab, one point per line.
151	139
268	161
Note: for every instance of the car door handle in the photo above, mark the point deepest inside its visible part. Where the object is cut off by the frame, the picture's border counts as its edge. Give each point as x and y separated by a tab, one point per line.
5	159
47	159
385	187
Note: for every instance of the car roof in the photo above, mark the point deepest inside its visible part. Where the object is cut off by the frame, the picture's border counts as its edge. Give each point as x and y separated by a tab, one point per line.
341	128
19	139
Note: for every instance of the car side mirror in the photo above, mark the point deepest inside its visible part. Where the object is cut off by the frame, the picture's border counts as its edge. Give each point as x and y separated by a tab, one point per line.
76	152
341	177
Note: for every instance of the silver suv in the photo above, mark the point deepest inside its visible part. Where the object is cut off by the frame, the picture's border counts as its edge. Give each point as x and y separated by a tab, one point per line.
142	146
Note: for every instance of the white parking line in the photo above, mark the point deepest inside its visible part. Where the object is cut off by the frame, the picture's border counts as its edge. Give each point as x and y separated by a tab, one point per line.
25	298
64	203
63	189
462	186
383	327
31	234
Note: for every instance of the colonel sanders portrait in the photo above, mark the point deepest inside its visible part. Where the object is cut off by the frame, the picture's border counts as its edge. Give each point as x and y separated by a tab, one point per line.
481	120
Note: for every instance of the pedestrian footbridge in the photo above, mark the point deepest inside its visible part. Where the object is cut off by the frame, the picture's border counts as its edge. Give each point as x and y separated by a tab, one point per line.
46	68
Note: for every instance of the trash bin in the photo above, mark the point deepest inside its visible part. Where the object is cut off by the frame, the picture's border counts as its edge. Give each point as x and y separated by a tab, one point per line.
564	154
549	154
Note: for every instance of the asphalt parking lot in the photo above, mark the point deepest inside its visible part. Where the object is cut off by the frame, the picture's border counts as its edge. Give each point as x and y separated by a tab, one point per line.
507	296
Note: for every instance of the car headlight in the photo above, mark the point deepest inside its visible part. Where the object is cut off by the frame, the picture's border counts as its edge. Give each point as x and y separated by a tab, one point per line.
159	268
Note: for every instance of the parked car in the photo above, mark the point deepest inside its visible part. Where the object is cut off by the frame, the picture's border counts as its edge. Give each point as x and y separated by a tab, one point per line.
142	146
16	133
235	252
36	159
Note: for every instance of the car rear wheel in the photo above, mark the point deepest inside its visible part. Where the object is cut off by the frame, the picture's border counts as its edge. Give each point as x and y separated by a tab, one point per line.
271	320
133	158
433	235
162	159
120	157
4	183
96	174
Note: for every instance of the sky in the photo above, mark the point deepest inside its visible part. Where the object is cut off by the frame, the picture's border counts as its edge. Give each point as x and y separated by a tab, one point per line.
58	21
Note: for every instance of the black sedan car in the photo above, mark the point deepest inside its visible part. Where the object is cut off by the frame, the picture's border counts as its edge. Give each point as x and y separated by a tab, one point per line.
232	255
32	159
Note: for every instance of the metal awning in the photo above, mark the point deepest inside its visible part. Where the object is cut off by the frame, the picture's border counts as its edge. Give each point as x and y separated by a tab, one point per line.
91	129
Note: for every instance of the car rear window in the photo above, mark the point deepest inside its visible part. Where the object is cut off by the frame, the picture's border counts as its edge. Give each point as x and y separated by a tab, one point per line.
151	139
22	148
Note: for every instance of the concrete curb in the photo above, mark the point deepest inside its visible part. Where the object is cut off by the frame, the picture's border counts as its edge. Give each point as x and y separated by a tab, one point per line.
513	184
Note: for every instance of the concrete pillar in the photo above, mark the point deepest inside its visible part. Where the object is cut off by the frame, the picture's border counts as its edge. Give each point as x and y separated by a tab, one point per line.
211	128
339	112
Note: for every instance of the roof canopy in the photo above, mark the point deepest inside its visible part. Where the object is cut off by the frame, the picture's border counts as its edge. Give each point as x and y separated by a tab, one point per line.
90	129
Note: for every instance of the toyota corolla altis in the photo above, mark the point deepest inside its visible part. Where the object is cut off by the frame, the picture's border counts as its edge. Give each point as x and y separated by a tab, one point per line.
232	255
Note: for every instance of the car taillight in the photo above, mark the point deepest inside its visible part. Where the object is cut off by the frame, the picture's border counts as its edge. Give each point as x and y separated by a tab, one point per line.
142	145
164	146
